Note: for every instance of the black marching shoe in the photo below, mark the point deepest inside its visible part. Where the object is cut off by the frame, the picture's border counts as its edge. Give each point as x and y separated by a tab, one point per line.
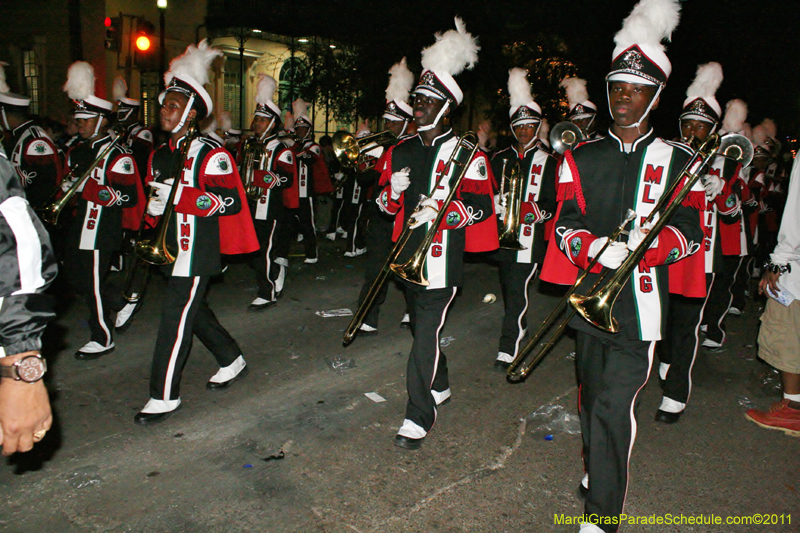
667	418
407	442
145	419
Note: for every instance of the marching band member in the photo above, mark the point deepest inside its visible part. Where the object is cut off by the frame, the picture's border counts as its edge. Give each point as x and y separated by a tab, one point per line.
600	180
693	279
273	172
398	119
231	137
416	164
582	111
353	199
33	155
95	233
137	138
537	170
312	179
210	217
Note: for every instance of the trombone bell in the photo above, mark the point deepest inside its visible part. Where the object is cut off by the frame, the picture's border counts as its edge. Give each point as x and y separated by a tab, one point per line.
565	135
597	309
351	151
154	254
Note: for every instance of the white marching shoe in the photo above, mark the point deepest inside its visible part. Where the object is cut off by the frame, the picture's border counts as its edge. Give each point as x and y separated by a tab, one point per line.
227	375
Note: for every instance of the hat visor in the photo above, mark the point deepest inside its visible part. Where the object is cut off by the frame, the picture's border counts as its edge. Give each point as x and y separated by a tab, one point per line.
425	91
85	114
694	116
630	78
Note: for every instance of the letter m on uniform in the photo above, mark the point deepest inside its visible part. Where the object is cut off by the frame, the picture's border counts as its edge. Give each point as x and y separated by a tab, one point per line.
653	174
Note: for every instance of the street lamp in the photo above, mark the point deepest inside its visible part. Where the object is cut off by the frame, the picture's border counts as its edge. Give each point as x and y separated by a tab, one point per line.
162	8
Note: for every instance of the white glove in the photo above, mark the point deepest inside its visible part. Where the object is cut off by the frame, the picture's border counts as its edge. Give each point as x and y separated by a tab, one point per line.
156	207
338	176
67	184
162	190
637	235
713	186
613	256
400	182
428	209
498	207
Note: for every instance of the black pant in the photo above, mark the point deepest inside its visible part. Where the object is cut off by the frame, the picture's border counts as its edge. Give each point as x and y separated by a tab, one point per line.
263	262
87	271
427	365
379	243
678	347
611	372
185	312
301	218
514	280
731	279
351	222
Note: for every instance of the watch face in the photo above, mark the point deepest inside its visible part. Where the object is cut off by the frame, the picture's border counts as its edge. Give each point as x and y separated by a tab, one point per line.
30	369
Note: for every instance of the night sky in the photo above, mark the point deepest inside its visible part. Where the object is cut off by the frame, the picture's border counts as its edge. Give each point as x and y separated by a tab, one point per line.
757	42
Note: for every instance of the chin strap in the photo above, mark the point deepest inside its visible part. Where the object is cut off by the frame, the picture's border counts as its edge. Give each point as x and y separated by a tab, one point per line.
533	139
438	118
267	131
405	128
97	126
6	126
188	108
646	111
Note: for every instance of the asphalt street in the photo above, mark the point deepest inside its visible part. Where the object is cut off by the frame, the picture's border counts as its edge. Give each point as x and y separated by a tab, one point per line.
297	446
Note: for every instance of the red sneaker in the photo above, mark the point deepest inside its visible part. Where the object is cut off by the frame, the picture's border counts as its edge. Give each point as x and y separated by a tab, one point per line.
780	416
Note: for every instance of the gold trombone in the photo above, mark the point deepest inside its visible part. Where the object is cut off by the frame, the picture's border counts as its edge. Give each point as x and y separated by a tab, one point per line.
509	233
413	273
597	307
565	135
351	151
50	212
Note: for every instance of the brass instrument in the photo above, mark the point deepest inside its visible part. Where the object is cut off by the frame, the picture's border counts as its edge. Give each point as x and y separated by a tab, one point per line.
565	135
470	141
351	151
509	233
253	153
157	251
50	212
736	148
412	270
597	307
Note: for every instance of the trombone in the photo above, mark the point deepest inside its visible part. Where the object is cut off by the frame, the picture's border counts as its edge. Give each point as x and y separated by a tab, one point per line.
597	307
468	141
565	135
50	212
351	152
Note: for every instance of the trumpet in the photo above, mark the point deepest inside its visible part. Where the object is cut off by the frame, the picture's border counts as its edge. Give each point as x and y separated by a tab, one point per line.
157	251
50	212
597	308
565	135
253	153
351	151
509	233
411	271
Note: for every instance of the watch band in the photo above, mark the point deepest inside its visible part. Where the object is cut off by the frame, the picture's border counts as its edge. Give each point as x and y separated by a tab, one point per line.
29	374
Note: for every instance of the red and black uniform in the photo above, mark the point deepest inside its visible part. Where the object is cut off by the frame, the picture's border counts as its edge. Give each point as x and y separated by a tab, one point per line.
695	285
36	162
211	217
312	179
461	230
598	182
273	173
517	268
140	142
95	233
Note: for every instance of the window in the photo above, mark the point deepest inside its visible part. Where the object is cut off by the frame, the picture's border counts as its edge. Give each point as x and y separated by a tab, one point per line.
231	90
294	82
149	114
31	79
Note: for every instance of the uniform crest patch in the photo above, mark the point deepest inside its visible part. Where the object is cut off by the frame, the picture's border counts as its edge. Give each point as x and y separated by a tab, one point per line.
575	246
39	148
672	256
730	201
222	164
203	202
453	218
529	218
385	197
104	195
127	167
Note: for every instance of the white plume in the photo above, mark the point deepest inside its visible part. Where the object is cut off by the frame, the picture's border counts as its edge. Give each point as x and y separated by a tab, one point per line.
706	81
759	135
120	89
211	125
363	129
265	88
650	22
770	128
735	115
401	80
80	81
544	132
3	85
519	89
576	91
194	63
299	108
225	121
288	120
452	52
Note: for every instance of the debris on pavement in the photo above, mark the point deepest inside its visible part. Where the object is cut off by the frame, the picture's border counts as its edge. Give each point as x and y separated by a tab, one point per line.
335	312
375	397
555	419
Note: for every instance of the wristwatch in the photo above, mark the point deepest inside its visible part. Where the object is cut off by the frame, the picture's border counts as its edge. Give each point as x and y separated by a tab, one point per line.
29	369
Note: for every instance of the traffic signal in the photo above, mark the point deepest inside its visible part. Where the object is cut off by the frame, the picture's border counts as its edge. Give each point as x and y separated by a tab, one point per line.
113	32
144	38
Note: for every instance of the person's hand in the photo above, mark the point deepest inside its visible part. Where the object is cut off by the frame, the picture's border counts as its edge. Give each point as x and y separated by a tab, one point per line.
66	185
769	279
499	208
713	186
400	182
427	211
162	190
25	414
156	207
638	234
613	256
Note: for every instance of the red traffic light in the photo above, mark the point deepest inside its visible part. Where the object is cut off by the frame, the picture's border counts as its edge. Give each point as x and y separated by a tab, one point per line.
107	22
143	43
